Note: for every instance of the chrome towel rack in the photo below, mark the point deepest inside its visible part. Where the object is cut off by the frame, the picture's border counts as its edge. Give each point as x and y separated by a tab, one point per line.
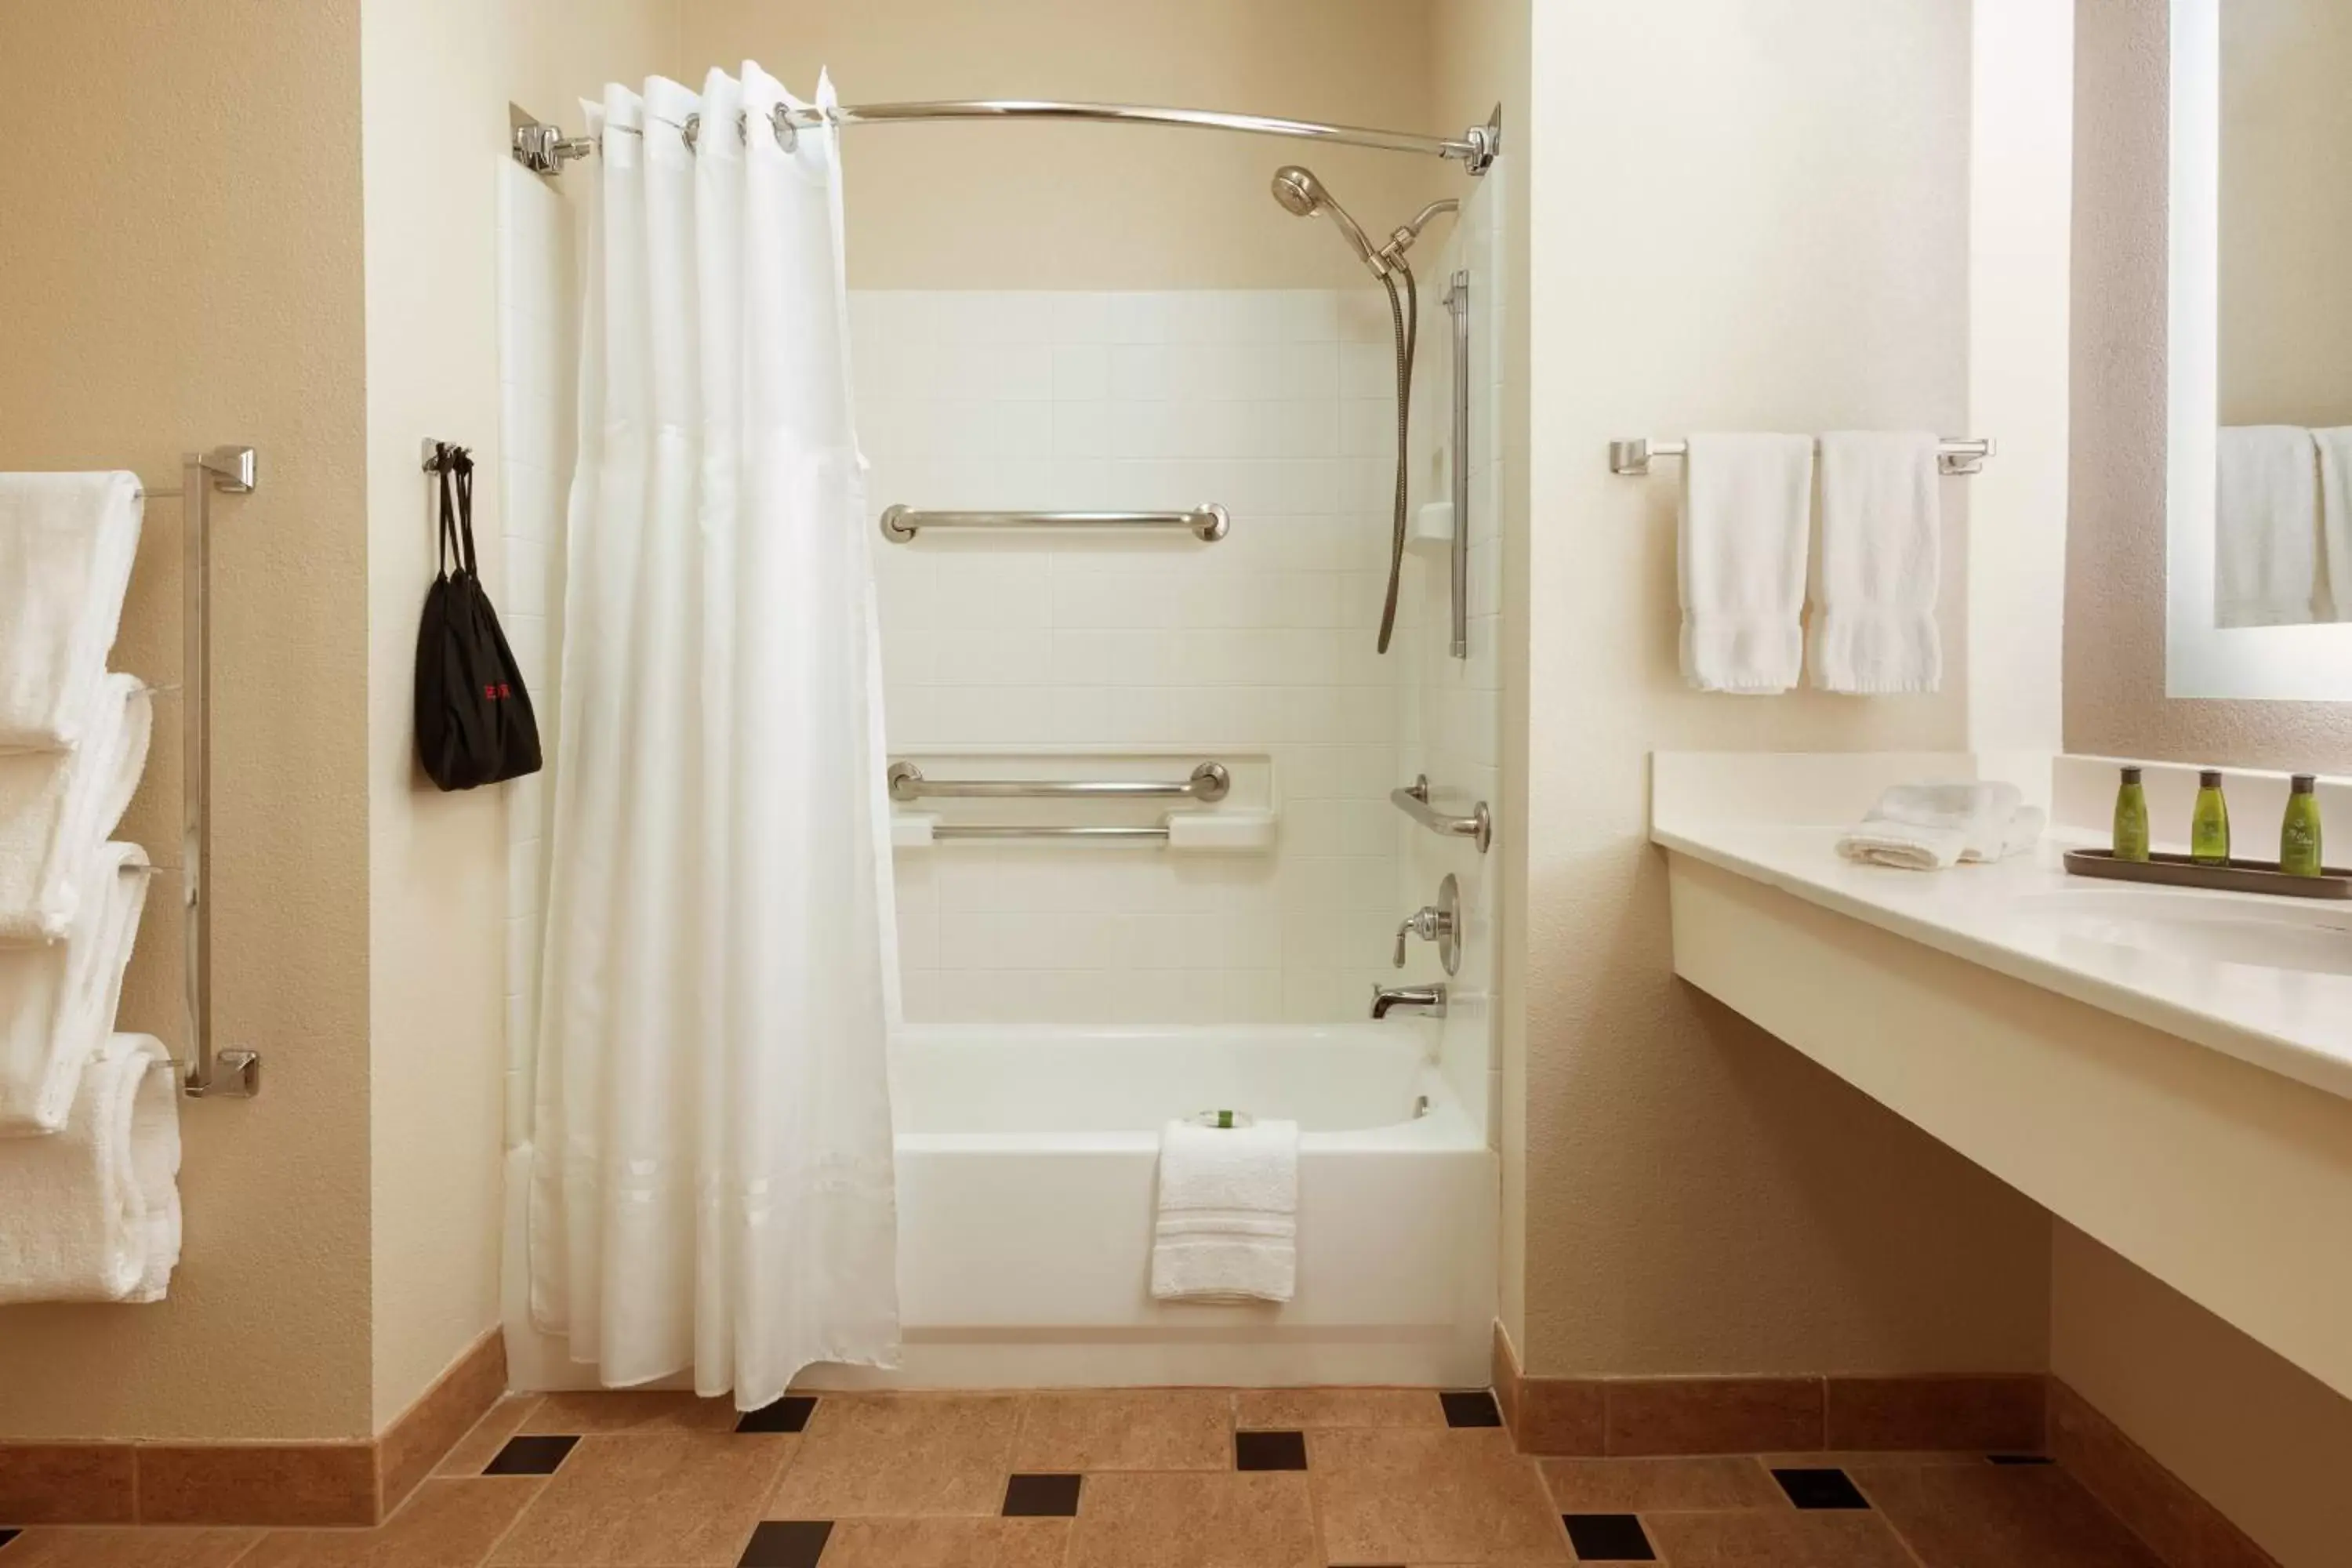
208	1074
1955	456
1208	782
1413	801
1208	523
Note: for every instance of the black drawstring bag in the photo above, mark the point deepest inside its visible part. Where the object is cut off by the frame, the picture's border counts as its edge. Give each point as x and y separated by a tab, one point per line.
474	719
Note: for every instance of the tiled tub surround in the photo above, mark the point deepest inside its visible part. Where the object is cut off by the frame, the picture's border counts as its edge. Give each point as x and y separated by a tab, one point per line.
1278	404
1160	1479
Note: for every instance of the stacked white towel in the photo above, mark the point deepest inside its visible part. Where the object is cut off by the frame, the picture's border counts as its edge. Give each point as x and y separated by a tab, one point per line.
1934	826
2336	521
91	1212
1881	562
67	542
1228	1219
1744	514
2266	526
57	808
57	999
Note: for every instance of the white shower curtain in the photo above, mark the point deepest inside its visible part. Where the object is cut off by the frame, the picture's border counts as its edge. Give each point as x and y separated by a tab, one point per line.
711	1153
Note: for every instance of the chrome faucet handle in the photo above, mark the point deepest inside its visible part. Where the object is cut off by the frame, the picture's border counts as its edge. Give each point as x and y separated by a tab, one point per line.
1440	922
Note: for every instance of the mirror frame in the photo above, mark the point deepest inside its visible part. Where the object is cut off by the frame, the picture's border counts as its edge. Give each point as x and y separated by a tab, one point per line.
2310	663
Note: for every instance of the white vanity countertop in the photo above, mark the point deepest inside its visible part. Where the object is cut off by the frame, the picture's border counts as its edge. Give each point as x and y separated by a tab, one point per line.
2294	1021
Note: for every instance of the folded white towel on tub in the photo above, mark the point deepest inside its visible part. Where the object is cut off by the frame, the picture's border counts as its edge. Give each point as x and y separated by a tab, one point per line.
1227	1228
66	546
84	1210
57	1001
57	808
1747	505
1881	565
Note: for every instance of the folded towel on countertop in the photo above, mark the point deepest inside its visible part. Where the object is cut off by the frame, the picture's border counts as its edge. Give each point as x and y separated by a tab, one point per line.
57	808
1873	629
91	1213
66	546
1933	826
58	1000
1747	507
2266	526
1227	1226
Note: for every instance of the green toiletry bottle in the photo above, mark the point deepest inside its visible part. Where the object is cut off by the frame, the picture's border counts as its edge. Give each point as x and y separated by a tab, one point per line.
2209	822
2131	819
2299	836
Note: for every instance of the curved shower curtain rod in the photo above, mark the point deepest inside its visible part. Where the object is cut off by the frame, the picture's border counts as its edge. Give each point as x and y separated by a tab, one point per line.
544	148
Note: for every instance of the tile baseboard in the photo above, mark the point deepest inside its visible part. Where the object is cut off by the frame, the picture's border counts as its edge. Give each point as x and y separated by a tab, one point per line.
266	1484
2178	1524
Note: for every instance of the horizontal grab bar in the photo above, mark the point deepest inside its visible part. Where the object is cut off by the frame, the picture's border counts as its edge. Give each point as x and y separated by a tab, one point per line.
1010	830
1208	523
1954	455
1209	782
1413	801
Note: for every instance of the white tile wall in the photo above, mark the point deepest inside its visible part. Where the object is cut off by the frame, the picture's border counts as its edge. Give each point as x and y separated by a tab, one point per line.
537	305
1275	404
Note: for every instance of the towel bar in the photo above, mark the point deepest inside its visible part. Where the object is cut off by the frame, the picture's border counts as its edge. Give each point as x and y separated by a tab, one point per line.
1413	801
1209	782
1956	456
1208	523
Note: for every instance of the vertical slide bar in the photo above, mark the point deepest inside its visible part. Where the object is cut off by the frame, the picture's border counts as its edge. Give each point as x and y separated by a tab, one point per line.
1457	304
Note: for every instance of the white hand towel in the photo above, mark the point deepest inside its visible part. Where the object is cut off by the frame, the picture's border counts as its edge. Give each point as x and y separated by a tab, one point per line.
1746	501
66	546
57	808
1228	1223
58	1002
2336	521
1934	826
1881	562
2266	526
78	1209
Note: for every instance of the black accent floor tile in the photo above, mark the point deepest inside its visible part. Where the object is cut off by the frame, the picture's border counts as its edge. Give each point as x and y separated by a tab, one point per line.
790	1414
786	1543
1821	1488
1269	1451
1608	1538
7	1535
529	1456
2020	1458
1471	1407
1040	1497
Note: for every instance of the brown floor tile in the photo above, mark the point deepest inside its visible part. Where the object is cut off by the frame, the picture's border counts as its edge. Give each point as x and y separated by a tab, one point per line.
1654	1486
942	1542
1256	1520
1846	1458
681	1500
885	1455
1562	1415
1147	1429
66	1483
115	1547
480	1446
1992	1516
1299	1409
1714	1415
1985	1413
1785	1539
283	1485
1461	1496
446	1524
630	1410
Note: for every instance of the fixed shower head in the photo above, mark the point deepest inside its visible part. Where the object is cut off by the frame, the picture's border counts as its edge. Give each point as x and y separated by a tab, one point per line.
1303	196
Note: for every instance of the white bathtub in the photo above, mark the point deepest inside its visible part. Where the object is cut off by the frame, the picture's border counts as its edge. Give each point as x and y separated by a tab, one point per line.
1026	1164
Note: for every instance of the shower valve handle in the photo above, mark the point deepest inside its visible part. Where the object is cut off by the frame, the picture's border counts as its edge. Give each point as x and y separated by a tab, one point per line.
1428	923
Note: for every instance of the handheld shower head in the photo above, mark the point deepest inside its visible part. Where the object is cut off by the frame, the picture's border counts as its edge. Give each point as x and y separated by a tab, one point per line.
1303	196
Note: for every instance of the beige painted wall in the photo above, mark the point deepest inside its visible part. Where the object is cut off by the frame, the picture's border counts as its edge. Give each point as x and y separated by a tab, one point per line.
435	81
2260	1439
181	263
1089	206
1784	192
2286	213
2115	703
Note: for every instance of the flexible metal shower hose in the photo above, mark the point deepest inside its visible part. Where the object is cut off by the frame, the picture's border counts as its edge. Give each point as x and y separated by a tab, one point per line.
1404	315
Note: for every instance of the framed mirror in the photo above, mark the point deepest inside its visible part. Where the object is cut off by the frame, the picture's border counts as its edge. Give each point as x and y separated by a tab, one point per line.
2259	489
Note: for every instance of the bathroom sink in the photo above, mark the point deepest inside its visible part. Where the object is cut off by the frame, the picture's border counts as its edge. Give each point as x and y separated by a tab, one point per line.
2317	939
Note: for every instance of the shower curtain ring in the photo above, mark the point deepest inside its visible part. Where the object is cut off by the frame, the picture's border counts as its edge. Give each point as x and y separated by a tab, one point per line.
788	135
693	129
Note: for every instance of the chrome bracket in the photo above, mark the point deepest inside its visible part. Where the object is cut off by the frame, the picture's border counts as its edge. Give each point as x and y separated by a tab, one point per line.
1486	141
